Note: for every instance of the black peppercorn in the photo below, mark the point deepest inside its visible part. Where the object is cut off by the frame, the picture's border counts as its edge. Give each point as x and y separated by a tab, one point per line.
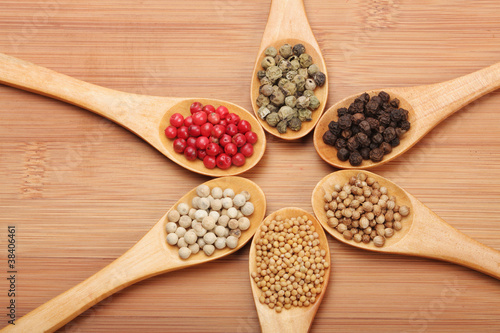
365	153
365	126
345	122
340	143
365	97
400	132
384	119
357	118
395	142
376	155
329	138
343	154
389	134
384	96
386	147
355	158
378	138
359	105
397	114
334	127
320	79
346	134
363	139
355	130
352	144
405	125
374	123
395	103
373	145
341	112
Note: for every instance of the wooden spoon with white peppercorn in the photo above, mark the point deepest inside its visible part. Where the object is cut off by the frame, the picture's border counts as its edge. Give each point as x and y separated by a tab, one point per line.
423	233
287	23
149	257
146	116
295	319
428	105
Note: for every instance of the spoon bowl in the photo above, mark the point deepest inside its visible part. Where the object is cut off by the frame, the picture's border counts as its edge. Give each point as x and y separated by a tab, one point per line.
287	23
295	319
149	257
146	116
427	106
424	234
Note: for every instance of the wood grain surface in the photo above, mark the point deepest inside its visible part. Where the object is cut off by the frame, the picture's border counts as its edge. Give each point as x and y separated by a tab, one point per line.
81	190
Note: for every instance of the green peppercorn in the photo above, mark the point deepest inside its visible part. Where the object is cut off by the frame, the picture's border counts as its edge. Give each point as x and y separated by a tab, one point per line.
264	81
278	58
285	65
303	102
308	93
272	107
267	62
277	98
303	72
273	119
289	88
313	103
290	75
282	126
262	100
263	112
300	82
295	64
274	73
286	50
305	114
291	101
266	90
295	124
271	51
282	81
298	49
305	60
261	74
286	113
313	69
310	84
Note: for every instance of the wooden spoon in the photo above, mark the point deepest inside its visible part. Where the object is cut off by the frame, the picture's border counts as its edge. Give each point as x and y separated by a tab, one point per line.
146	116
287	23
296	319
428	106
149	257
424	234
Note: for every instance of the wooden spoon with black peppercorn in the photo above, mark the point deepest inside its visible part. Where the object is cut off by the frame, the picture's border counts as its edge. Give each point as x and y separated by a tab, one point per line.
146	116
423	233
428	105
288	24
148	257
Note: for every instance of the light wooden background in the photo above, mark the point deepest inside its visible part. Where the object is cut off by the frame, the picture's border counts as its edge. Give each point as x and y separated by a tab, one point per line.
81	190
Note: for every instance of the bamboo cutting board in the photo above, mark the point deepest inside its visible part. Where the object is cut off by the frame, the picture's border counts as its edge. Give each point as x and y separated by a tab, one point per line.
81	190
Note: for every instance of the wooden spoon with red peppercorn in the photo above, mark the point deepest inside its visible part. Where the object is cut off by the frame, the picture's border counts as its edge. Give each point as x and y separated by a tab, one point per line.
423	233
146	116
428	105
288	24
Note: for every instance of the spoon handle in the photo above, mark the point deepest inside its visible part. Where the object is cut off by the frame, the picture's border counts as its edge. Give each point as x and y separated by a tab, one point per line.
437	239
140	262
436	102
129	110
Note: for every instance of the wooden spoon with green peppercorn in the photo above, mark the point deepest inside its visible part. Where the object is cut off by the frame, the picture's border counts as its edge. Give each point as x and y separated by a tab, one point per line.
423	233
428	105
288	24
149	257
146	116
295	319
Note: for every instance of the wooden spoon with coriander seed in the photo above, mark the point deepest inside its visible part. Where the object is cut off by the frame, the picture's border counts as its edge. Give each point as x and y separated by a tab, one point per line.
295	319
288	24
424	234
149	257
146	116
428	105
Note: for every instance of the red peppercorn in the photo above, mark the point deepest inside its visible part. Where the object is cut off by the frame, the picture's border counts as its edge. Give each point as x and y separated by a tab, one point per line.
183	133
190	153
222	111
251	137
239	140
233	118
238	159
223	122
223	161
231	129
209	162
194	130
201	153
179	145
199	118
231	149
214	118
213	139
225	139
206	129
244	126
176	120
188	121
247	150
208	109
213	149
191	141
171	132
202	142
218	131
195	107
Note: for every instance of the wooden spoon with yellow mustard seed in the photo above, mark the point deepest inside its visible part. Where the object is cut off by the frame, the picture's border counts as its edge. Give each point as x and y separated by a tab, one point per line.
288	24
149	257
282	317
423	233
428	105
146	116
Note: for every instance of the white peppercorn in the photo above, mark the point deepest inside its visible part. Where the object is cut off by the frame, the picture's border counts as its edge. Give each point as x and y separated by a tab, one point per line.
201	242
239	200
172	239
195	248
203	203
220	243
200	214
217	192
199	230
216	204
227	203
243	223
220	231
234	232
190	237
184	252
185	221
208	223
182	242
180	232
191	213
208	249
233	224
247	209
232	212
173	216
183	208
223	220
232	242
170	227
239	215
194	202
203	191
228	193
209	238
214	214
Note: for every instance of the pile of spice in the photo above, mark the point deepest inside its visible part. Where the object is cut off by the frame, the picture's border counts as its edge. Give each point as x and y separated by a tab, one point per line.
287	84
215	220
363	211
215	136
290	265
368	129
